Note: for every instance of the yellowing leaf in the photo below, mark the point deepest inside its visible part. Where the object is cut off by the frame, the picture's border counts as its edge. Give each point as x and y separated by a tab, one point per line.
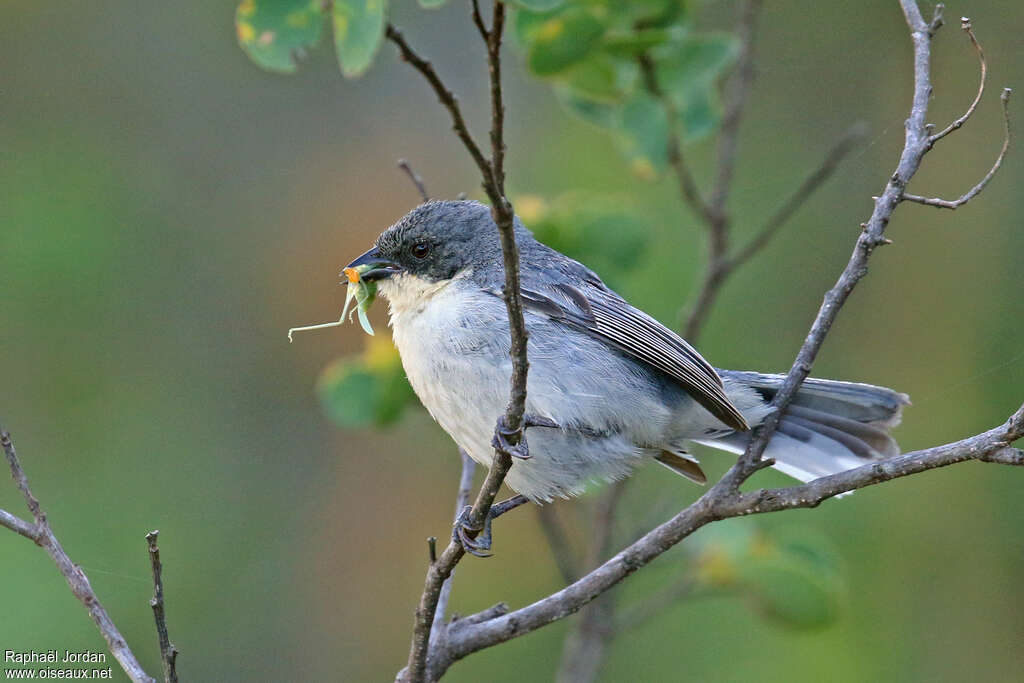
274	33
358	32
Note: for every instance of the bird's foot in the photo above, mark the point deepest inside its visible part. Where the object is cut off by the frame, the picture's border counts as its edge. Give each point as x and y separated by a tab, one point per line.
504	435
476	540
510	441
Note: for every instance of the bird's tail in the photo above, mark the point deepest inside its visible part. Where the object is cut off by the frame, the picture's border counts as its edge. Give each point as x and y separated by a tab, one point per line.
829	427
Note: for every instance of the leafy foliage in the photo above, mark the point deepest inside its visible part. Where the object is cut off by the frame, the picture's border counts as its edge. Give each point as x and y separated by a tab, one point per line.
593	51
367	389
276	33
789	575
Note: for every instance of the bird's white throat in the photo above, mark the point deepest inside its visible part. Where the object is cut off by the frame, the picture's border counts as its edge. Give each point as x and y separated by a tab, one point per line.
408	294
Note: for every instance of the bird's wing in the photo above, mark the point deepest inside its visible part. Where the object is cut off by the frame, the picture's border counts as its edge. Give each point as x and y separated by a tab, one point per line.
602	314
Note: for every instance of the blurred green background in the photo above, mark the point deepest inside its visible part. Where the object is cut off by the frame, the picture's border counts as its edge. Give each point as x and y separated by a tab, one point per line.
169	210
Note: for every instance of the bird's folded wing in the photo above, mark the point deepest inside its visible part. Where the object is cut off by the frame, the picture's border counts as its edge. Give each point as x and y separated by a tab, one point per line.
607	317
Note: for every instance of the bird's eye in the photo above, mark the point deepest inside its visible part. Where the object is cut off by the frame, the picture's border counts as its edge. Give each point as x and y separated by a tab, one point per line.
420	249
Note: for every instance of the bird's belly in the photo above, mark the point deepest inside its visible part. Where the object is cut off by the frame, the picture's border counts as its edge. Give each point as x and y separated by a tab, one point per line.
455	351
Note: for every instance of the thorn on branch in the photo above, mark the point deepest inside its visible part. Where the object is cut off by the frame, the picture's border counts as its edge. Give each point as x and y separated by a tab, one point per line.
432	548
938	202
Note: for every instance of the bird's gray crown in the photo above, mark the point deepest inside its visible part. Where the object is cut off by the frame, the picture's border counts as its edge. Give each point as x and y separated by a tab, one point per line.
440	239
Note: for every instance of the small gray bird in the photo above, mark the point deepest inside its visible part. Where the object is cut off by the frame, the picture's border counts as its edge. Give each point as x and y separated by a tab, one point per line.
609	387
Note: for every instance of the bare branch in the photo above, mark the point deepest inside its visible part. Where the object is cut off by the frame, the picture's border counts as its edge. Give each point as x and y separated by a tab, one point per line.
508	437
796	200
720	502
916	145
654	605
687	185
965	24
72	573
974	191
445	95
415	178
587	644
168	653
19	526
725	499
736	100
461	501
558	542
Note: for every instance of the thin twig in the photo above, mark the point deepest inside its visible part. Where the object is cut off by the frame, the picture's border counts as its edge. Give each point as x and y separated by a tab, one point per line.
736	96
965	24
461	501
974	191
558	541
796	200
587	644
415	178
168	653
72	573
474	633
509	430
445	95
19	526
916	145
674	146
725	499
653	605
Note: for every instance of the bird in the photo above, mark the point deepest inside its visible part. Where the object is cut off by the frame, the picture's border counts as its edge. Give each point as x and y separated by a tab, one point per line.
609	387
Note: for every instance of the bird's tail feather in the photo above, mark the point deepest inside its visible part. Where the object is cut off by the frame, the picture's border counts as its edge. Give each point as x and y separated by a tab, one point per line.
829	427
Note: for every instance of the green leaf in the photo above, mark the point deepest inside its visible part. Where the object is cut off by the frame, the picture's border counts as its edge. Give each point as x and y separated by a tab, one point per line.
634	43
366	390
273	33
607	233
597	113
700	114
358	33
601	78
693	64
558	41
791	576
537	5
431	4
645	134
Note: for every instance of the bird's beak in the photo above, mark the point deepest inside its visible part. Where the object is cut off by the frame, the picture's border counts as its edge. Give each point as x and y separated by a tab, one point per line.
379	268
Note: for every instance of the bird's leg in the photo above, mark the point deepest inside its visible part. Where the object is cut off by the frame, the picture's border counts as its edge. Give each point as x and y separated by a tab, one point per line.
503	434
475	540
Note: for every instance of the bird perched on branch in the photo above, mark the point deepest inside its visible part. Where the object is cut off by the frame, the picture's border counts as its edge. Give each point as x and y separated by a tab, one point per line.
608	388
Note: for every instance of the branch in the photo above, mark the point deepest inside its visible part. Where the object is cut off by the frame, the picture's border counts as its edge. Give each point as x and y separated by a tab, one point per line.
415	178
509	430
965	24
723	265
974	191
736	100
44	537
724	499
796	200
586	644
476	633
916	145
443	94
558	541
461	501
168	653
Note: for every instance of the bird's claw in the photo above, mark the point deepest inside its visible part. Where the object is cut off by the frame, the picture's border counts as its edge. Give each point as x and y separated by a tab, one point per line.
502	441
478	545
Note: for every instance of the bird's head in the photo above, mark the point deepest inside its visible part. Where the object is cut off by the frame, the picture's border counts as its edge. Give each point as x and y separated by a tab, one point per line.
431	245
